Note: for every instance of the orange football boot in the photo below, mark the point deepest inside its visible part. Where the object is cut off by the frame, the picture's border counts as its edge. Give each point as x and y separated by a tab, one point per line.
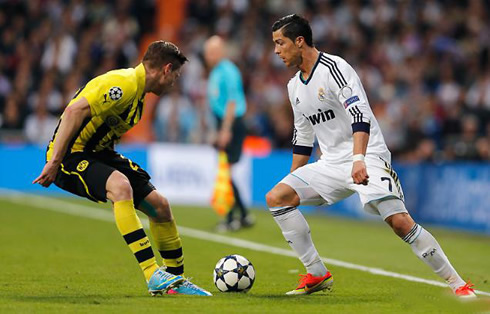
309	284
465	292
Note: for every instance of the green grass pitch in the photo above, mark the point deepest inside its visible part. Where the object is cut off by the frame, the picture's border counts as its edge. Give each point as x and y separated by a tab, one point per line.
58	262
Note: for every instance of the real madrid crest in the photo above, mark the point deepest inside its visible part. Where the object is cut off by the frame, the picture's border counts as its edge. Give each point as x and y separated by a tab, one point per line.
321	94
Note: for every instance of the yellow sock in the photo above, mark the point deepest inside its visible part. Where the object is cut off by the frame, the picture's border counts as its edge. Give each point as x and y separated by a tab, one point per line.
169	245
131	229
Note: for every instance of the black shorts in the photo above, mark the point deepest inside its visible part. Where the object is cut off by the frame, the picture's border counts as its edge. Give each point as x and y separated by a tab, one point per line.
86	174
234	148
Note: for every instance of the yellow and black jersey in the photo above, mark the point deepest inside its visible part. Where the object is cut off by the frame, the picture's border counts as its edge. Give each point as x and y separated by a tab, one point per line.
116	102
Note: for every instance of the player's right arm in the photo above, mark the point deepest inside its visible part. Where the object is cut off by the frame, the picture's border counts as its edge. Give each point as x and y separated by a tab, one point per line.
71	121
303	138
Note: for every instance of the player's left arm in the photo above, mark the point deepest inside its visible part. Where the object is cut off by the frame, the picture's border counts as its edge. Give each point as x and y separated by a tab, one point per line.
348	88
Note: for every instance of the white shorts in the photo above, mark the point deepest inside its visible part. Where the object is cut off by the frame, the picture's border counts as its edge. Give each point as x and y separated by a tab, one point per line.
324	183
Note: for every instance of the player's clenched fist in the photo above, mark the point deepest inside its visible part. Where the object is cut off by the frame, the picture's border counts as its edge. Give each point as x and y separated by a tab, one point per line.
48	175
359	173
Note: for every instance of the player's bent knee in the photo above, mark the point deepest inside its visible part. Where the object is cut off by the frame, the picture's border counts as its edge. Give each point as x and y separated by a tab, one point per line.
163	210
273	198
118	187
164	202
401	223
157	207
282	195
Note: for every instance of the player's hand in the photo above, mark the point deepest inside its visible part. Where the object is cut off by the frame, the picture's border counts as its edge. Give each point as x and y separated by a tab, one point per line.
48	175
224	138
359	173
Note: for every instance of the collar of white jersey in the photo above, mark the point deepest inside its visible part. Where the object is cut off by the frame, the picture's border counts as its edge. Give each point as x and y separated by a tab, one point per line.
140	78
312	70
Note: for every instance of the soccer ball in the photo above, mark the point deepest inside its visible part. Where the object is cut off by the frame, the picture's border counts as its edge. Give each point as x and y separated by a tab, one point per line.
234	273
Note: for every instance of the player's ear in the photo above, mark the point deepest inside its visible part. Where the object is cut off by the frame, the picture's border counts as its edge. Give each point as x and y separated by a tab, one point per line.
300	41
167	68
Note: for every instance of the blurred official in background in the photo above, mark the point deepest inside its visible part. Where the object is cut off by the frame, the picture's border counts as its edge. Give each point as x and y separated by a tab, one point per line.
227	101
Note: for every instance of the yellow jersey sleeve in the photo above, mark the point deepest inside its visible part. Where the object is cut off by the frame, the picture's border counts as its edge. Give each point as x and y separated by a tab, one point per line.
110	92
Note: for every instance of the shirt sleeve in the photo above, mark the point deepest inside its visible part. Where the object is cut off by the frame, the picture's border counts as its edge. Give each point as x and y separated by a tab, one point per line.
303	134
108	93
346	85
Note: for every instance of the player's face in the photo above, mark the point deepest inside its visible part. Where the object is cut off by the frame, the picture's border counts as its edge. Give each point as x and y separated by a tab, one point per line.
286	49
167	79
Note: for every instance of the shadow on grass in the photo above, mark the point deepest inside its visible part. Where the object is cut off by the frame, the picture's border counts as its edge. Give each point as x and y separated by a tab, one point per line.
77	299
327	297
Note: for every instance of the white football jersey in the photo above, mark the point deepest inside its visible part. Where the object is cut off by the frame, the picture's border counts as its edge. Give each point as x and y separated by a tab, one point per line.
330	104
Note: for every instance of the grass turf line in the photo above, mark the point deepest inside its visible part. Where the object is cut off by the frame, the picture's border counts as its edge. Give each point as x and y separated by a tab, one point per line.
59	262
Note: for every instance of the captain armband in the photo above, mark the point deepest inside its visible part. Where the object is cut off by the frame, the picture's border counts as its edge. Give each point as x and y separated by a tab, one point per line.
302	150
361	127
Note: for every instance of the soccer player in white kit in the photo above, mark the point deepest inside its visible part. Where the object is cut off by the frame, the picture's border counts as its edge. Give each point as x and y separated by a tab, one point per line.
329	102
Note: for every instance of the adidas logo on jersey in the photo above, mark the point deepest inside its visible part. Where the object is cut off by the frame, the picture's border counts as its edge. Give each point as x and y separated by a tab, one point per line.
321	116
297	101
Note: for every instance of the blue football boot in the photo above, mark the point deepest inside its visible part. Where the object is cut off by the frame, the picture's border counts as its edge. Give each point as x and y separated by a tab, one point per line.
189	288
162	281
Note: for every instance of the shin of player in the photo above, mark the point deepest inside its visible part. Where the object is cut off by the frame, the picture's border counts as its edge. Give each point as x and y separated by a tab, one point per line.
119	191
164	231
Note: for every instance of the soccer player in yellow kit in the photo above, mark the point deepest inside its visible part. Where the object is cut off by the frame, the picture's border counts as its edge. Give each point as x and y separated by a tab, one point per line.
81	160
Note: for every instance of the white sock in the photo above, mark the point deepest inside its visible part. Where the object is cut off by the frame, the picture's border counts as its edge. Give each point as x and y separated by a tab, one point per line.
425	246
297	233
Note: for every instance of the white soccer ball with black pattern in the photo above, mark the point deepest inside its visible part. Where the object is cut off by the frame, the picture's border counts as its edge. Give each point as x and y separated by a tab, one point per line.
234	273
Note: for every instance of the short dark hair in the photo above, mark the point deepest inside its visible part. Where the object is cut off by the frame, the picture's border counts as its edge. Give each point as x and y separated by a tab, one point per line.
162	52
294	26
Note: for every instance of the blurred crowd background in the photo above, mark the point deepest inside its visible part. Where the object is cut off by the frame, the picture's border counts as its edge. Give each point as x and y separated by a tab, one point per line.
425	66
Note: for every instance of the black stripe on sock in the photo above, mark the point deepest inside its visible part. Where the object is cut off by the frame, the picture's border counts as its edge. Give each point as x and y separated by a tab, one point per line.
283	211
175	270
171	253
410	233
134	236
144	255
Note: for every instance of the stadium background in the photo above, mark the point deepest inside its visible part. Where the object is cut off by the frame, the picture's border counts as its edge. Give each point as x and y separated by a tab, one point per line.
424	64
